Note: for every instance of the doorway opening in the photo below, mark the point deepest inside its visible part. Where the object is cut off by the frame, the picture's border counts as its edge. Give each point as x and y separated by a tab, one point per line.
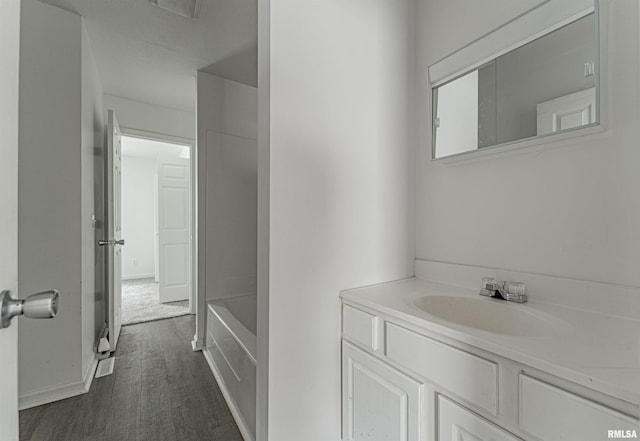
156	225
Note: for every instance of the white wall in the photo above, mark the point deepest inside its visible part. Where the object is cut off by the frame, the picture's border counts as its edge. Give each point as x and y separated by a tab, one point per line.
138	217
227	190
226	106
59	129
152	118
232	195
341	191
570	210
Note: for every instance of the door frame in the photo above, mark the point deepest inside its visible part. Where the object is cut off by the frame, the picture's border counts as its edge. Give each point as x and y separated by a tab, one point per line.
112	199
10	127
161	137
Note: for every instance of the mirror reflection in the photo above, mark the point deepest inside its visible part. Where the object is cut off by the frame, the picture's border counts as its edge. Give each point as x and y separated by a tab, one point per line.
543	87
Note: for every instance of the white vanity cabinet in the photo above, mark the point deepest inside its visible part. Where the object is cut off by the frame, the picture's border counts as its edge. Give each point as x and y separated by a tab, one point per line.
548	412
404	383
378	401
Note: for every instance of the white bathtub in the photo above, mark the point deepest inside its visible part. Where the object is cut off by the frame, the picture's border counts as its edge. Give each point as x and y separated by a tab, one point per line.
231	353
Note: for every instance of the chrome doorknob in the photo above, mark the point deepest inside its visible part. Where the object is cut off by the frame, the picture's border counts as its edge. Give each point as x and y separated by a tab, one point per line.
40	305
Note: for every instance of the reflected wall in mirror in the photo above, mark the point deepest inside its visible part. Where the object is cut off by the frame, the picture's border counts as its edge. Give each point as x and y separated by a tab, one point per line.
543	87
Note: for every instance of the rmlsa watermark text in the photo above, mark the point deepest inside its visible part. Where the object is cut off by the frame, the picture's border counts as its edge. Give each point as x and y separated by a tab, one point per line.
621	434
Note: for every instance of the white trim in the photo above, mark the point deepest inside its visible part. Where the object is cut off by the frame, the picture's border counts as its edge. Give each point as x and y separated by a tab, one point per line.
51	394
59	392
197	8
549	141
197	344
153	136
200	202
603	102
194	170
90	372
264	216
237	415
139	276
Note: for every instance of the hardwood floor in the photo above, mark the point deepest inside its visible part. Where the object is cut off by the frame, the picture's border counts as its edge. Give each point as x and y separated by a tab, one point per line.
160	390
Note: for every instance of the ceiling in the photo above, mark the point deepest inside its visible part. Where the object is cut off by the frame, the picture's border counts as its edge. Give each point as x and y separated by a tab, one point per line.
148	54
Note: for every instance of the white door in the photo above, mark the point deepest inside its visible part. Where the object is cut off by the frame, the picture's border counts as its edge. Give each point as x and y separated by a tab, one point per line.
567	112
114	241
173	229
9	54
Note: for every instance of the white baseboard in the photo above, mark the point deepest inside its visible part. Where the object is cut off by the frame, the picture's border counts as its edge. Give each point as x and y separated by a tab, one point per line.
235	412
197	344
139	276
59	392
90	373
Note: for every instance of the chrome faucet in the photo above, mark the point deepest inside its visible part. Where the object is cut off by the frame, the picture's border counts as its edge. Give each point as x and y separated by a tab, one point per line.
510	291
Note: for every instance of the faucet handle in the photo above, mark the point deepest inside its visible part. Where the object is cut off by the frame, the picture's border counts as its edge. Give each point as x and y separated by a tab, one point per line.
490	287
514	292
515	288
491	284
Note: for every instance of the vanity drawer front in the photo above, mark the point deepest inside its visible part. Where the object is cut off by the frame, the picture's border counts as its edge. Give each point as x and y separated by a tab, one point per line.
550	413
456	423
360	327
468	376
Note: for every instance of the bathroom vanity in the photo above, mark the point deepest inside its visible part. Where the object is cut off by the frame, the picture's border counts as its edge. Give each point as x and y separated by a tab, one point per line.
427	360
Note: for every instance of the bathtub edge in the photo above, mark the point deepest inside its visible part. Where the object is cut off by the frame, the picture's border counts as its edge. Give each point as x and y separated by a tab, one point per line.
235	412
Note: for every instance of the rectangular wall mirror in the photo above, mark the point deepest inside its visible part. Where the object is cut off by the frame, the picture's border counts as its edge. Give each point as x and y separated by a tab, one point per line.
543	85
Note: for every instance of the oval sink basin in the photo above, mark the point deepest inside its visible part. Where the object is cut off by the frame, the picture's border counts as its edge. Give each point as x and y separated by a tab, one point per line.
486	314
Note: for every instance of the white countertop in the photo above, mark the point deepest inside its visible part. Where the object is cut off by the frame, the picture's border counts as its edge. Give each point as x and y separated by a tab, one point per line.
596	350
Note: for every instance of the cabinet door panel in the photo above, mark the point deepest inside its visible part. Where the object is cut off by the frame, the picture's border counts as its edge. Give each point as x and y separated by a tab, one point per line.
455	423
379	403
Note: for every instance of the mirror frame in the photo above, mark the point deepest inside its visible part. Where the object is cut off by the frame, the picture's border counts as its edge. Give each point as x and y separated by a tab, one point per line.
534	23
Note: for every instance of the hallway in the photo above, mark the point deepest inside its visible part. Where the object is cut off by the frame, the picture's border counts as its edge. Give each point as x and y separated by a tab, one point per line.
160	390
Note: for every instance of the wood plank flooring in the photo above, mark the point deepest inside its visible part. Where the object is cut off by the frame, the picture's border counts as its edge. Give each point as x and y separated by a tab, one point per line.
160	391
